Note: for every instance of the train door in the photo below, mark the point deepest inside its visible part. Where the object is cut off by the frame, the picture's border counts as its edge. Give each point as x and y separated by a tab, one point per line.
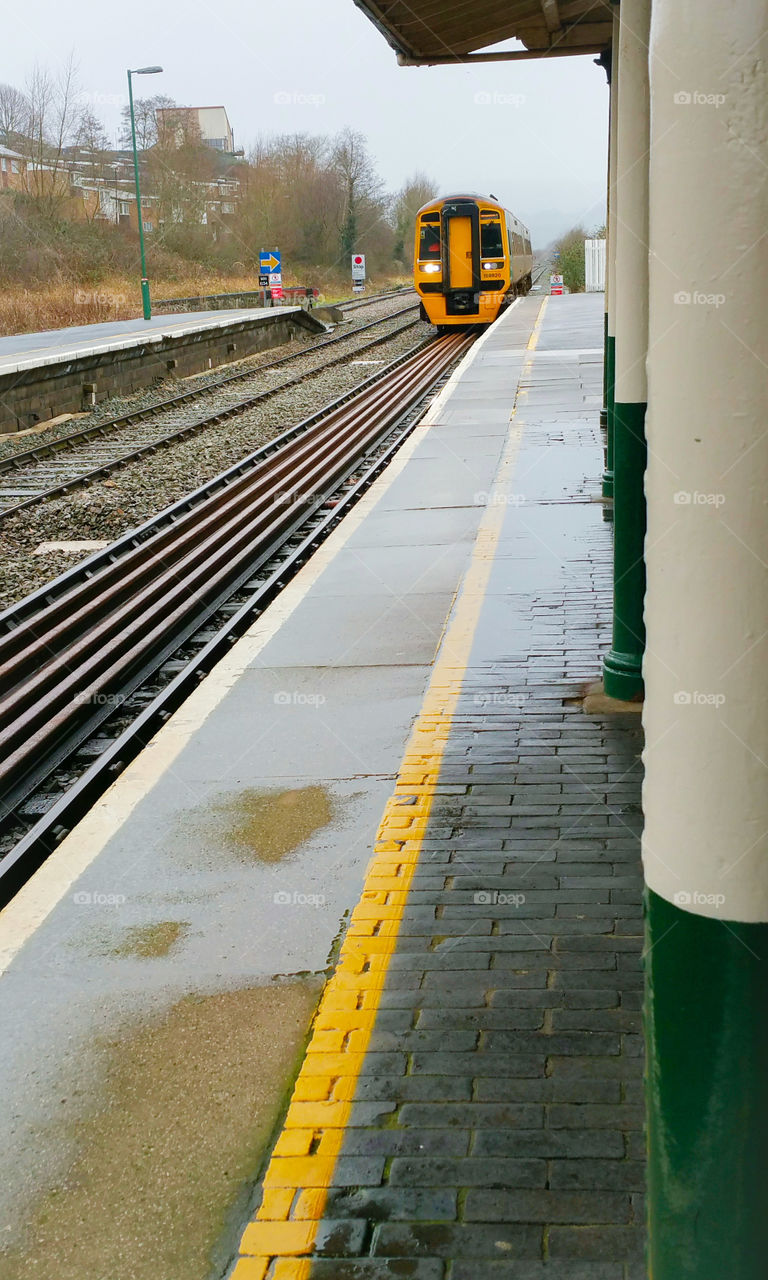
461	257
460	274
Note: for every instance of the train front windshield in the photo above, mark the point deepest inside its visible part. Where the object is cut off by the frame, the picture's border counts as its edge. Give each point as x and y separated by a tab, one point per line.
491	245
429	242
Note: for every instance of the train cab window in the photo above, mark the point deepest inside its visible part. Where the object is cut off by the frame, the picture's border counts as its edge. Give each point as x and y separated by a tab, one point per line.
491	243
429	241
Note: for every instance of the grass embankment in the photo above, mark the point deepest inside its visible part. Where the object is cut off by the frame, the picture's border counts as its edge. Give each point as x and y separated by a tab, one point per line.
30	310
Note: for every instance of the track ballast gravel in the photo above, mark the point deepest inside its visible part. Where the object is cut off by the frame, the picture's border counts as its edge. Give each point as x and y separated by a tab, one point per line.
140	489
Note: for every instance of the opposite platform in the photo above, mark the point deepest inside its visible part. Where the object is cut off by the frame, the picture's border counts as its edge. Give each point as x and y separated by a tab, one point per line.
60	371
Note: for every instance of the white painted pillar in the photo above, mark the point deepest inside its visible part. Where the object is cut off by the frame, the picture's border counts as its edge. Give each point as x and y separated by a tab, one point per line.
610	257
706	665
623	665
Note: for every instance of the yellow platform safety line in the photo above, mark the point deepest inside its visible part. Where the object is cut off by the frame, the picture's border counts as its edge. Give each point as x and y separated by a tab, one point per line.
300	1171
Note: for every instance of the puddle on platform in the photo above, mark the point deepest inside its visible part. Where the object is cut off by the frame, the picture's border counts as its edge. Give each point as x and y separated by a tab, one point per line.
150	941
268	825
166	1159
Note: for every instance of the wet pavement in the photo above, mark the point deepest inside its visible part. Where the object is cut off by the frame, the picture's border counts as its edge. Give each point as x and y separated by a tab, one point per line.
49	346
210	885
470	1103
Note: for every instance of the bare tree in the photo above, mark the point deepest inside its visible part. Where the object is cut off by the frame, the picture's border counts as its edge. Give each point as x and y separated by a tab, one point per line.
91	153
90	133
14	115
145	114
52	124
360	183
417	191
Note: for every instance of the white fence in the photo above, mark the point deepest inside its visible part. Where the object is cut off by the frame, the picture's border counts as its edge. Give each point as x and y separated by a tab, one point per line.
594	266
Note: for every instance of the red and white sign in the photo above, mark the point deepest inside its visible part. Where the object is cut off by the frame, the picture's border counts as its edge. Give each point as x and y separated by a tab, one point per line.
358	271
277	290
555	284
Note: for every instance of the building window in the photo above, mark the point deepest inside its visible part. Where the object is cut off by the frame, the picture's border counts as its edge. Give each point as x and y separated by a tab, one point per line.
14	166
148	226
226	207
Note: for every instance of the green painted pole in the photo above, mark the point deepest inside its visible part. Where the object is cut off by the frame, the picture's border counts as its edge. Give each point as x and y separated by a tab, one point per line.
145	298
622	669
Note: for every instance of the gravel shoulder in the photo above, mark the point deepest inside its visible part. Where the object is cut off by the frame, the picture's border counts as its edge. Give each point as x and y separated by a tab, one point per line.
111	507
114	406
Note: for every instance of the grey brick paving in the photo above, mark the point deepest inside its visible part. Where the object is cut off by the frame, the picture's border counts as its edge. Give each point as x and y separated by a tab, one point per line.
507	1050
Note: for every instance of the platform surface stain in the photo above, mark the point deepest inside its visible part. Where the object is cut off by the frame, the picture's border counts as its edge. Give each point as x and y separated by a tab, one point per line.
150	941
167	1157
268	825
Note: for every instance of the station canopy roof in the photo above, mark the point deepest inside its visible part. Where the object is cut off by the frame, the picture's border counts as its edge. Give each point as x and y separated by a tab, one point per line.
449	31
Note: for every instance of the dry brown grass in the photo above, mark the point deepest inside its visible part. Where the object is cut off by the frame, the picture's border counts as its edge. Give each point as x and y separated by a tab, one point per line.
118	298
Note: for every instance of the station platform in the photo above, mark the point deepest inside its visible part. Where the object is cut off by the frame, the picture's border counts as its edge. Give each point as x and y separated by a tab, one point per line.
465	1101
44	374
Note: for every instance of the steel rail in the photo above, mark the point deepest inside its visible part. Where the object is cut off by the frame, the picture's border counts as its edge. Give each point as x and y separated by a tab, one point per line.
46	596
16	463
352	303
37	842
81	650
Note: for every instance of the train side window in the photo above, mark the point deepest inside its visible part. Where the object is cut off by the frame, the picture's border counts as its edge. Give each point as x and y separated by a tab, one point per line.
491	244
509	241
429	241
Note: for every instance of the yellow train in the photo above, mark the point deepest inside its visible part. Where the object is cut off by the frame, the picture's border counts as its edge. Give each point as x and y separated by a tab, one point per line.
472	257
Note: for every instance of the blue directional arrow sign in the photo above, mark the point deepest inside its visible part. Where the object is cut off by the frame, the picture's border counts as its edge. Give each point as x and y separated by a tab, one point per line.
269	262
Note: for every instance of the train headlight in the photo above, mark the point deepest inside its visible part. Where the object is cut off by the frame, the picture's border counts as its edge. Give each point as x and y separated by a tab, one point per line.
430	268
492	266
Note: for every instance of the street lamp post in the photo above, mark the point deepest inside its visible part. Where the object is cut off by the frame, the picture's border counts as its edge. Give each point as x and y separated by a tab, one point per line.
145	299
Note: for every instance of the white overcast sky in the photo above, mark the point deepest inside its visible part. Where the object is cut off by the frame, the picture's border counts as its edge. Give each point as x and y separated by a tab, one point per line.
533	133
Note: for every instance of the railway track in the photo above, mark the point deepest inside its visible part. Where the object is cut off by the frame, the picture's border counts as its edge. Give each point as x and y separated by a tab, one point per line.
354	303
93	452
127	633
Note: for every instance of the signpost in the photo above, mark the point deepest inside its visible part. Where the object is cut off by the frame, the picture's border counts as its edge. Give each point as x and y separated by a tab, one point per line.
555	284
270	272
358	272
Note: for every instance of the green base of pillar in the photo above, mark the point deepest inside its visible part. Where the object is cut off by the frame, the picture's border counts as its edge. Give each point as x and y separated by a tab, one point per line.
623	676
607	484
622	671
706	1027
